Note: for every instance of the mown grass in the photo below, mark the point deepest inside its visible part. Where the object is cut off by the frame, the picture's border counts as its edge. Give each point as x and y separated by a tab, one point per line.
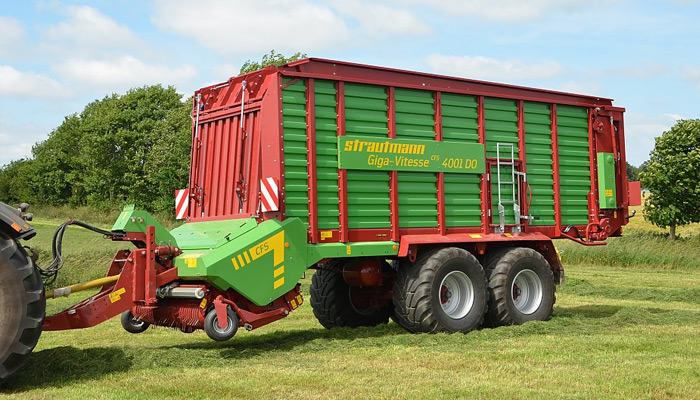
620	330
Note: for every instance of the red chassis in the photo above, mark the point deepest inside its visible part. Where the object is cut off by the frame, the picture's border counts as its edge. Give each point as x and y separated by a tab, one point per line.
141	272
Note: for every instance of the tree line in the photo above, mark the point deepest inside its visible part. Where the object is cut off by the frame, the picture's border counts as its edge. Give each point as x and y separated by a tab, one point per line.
132	148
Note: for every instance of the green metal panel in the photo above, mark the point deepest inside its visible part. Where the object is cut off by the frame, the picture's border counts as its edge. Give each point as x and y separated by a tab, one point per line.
368	191
326	154
262	264
574	164
607	193
211	234
539	161
415	118
318	252
501	123
296	195
131	220
460	124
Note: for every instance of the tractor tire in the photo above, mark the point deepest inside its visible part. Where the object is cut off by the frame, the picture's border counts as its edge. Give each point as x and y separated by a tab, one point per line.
22	306
133	325
332	304
521	287
214	331
444	290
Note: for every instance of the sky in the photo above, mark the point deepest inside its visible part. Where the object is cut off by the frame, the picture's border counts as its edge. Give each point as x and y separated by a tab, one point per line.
57	56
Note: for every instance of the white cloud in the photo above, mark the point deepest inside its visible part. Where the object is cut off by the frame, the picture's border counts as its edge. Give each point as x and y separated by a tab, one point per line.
642	70
693	75
121	73
479	67
29	84
640	131
12	36
581	87
16	140
236	28
503	10
377	19
86	28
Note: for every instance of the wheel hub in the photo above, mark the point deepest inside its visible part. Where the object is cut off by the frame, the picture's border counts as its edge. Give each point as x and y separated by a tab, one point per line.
527	291
456	294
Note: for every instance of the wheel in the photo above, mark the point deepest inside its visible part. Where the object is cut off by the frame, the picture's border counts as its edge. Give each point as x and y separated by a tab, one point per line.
22	306
214	331
133	325
521	287
337	304
443	291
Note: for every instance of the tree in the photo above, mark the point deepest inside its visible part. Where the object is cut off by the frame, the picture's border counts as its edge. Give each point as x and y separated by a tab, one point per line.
130	148
16	182
632	172
673	176
269	59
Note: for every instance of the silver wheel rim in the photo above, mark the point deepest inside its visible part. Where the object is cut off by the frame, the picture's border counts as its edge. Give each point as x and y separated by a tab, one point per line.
456	294
136	323
224	331
526	291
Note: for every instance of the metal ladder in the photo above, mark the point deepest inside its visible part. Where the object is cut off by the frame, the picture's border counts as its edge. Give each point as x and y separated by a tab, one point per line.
514	187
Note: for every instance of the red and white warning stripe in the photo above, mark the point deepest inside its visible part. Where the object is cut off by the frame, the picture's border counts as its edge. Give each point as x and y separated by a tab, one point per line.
269	195
181	202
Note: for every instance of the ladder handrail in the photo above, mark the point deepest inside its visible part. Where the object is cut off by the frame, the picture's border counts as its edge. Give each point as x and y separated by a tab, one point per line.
512	183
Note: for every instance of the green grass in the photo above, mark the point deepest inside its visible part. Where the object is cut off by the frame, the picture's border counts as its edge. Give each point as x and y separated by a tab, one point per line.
625	326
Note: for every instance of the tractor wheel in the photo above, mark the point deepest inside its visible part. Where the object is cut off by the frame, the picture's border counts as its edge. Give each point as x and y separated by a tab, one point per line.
133	325
521	287
22	306
337	304
443	291
214	331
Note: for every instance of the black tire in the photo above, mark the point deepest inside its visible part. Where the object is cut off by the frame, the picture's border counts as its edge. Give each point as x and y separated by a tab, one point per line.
22	307
133	325
332	303
214	331
420	300
504	291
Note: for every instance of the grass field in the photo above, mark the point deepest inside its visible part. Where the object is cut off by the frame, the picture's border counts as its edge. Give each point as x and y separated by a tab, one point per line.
626	325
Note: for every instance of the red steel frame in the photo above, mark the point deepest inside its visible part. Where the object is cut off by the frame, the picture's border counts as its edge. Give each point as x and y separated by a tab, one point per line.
264	125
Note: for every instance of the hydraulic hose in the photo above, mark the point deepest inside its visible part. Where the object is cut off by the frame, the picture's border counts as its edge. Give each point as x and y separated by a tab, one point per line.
50	273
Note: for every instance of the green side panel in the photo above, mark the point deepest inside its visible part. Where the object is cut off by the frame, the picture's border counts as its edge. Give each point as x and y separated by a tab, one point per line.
261	264
538	158
296	193
460	124
574	164
131	220
368	191
501	124
326	154
318	252
607	193
415	119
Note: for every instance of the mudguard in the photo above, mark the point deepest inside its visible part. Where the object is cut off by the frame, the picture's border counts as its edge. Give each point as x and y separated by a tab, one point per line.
12	224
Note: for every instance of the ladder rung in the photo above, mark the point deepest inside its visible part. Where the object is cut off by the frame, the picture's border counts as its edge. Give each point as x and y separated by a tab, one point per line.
508	202
507	183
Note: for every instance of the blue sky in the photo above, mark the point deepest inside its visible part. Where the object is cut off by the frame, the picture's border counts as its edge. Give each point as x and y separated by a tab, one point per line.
56	56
